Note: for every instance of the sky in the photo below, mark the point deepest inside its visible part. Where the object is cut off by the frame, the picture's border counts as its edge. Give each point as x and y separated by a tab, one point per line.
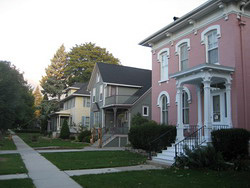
33	30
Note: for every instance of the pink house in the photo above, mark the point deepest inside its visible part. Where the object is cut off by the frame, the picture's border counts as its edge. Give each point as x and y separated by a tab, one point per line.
201	70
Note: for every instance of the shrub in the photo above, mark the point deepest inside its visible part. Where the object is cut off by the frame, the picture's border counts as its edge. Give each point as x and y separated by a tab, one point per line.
201	157
232	143
84	136
138	120
141	136
64	134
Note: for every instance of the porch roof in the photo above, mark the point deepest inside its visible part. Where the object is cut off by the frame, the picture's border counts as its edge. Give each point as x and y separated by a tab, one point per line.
62	112
201	68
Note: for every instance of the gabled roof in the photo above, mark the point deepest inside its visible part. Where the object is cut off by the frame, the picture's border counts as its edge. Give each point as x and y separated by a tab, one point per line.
81	90
124	75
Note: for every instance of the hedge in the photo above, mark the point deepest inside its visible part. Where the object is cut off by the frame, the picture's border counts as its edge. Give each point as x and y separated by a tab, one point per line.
27	131
65	133
84	136
141	136
232	143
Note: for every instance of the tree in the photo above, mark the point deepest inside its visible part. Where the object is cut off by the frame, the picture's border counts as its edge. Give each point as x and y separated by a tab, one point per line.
54	82
64	134
16	99
38	99
82	59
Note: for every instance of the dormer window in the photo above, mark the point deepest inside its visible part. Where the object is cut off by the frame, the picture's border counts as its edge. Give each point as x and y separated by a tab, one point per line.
181	49
163	56
210	37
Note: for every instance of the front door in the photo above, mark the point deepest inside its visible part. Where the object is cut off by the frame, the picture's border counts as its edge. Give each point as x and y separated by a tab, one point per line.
219	107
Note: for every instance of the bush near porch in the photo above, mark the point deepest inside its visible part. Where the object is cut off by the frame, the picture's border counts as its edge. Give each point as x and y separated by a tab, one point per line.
232	143
141	136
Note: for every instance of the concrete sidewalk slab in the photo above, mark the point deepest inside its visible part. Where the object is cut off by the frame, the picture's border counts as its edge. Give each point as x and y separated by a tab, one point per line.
111	170
13	176
81	150
43	173
8	152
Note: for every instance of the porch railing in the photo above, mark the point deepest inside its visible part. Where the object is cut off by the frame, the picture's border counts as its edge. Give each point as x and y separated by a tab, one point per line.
191	141
219	127
120	99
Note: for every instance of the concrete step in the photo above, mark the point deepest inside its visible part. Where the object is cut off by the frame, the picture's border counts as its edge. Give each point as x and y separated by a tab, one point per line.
165	161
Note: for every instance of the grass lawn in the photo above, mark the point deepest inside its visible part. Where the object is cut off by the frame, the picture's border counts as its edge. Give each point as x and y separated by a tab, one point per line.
7	144
17	183
46	142
166	178
94	159
11	164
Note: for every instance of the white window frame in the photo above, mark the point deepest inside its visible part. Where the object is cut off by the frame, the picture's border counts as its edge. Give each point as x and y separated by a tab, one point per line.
178	49
86	102
94	95
159	103
147	114
101	93
164	51
204	39
184	108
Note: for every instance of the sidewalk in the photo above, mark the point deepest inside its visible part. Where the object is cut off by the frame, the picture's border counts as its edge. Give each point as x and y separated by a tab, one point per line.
43	173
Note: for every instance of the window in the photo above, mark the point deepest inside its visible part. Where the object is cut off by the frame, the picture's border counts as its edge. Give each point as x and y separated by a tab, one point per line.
164	110
185	108
183	56
86	102
93	95
164	66
85	121
97	77
101	93
163	56
145	110
210	37
69	104
181	49
96	119
212	47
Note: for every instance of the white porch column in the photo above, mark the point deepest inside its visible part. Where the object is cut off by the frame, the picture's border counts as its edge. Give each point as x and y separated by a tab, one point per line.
229	107
198	92
207	110
180	135
103	117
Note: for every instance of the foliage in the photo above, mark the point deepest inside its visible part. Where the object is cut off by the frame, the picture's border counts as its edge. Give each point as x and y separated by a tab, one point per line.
137	119
16	99
232	143
84	136
64	134
54	82
82	59
201	157
144	136
20	183
27	131
38	99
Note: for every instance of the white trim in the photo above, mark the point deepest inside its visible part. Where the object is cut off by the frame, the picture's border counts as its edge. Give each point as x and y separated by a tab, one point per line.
177	46
159	98
188	93
162	51
115	84
210	28
145	115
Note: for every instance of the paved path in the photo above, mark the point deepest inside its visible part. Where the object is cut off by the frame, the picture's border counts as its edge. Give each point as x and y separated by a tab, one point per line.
8	152
43	173
80	150
110	170
13	176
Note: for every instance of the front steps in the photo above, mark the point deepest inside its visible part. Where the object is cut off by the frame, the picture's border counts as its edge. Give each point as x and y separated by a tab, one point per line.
116	140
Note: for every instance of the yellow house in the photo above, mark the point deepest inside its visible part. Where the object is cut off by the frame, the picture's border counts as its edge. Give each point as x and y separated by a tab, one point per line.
75	108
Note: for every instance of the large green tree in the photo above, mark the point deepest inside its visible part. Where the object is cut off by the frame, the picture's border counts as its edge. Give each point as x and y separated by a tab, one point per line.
16	99
82	59
54	81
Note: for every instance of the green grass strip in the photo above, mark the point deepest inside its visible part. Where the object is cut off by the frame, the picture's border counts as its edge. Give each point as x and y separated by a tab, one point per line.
94	159
7	144
169	178
11	164
17	183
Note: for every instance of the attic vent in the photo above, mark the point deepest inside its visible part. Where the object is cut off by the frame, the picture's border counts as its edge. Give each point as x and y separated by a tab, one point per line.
175	18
